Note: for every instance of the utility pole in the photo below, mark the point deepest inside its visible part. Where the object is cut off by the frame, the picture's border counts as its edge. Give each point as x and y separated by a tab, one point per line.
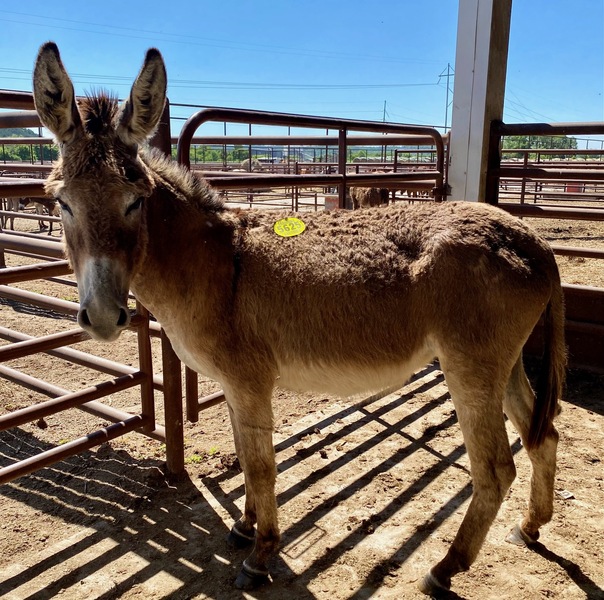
383	121
449	75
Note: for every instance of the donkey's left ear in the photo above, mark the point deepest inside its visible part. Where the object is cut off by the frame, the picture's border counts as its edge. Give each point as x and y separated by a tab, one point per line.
143	109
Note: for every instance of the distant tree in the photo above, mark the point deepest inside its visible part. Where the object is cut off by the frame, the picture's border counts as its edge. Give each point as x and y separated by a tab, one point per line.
17	132
48	152
239	153
513	142
23	152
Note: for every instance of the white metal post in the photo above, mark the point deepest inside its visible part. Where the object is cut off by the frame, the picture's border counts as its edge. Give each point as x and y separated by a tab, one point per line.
480	69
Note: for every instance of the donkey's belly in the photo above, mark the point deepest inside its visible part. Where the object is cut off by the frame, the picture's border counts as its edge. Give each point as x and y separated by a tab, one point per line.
347	379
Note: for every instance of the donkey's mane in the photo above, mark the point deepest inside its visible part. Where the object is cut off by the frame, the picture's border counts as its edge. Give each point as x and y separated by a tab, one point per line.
183	182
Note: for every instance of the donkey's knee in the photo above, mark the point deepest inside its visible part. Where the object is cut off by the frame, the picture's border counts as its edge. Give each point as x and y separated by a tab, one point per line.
506	473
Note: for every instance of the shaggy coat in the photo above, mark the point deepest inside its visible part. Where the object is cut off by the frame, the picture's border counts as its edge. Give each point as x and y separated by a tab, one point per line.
356	302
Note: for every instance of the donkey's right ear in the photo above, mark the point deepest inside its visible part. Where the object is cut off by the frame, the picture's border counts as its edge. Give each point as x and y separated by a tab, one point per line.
54	96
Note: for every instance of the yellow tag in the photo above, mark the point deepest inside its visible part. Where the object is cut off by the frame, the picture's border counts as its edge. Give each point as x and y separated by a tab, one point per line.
289	227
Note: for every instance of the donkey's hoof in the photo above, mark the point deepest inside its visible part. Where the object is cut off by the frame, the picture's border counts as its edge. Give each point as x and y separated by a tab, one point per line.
250	579
519	537
431	586
238	540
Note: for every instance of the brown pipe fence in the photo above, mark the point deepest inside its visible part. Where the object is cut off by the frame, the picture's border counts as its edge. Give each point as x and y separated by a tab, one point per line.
341	179
585	305
20	345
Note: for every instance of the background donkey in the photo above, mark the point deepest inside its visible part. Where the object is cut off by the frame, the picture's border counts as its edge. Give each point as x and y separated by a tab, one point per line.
356	302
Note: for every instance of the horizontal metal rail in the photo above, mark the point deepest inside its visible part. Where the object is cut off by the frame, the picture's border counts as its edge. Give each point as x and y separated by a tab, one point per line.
49	457
21	118
26	168
549	129
50	247
17	188
25	141
38	271
32	216
577	251
42	344
83	359
548	173
386	180
61	306
70	400
311	140
553	212
342	126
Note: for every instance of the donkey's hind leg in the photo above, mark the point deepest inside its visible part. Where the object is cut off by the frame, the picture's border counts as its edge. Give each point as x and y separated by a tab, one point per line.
478	403
518	406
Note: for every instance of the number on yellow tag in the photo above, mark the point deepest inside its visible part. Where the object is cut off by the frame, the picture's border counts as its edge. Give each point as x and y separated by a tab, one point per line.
289	227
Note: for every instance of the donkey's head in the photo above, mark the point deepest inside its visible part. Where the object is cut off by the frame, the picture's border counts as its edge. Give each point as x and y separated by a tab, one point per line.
100	181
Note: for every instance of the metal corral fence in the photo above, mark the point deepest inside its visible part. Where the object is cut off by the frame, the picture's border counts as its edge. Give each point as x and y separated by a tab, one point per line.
555	181
431	179
585	305
50	263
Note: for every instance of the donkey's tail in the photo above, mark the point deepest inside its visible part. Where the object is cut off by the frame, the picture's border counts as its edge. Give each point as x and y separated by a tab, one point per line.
553	366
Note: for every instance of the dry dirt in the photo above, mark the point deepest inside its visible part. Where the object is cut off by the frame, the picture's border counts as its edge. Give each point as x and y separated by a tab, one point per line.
370	493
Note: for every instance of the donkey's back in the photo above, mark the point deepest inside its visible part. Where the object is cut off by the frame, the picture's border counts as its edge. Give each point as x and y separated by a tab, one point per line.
371	294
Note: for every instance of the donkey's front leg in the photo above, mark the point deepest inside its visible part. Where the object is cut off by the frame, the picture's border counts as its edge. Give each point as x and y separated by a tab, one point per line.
253	432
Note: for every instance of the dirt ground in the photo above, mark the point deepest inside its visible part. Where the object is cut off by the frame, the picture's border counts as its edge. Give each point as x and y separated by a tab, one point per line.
370	491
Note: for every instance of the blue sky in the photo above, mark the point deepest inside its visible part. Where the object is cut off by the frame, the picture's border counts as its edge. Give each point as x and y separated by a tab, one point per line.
350	58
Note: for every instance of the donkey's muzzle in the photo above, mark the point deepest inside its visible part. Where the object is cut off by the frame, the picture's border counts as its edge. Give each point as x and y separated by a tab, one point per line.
103	288
105	325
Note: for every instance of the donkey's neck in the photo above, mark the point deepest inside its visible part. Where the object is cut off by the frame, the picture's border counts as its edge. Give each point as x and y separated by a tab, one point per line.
185	226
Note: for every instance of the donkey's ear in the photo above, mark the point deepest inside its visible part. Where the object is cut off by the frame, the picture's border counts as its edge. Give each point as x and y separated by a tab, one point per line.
54	96
142	111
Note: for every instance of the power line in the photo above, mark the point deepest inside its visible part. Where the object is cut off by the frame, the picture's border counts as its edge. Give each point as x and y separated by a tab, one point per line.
223	85
184	39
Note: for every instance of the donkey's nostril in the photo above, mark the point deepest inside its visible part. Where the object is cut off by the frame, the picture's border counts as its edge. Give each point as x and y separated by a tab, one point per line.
123	318
84	318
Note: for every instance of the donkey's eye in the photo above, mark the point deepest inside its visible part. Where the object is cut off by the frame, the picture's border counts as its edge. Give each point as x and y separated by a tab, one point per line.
64	207
132	174
136	204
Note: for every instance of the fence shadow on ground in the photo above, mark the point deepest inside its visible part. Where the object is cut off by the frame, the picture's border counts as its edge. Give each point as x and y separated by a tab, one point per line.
134	529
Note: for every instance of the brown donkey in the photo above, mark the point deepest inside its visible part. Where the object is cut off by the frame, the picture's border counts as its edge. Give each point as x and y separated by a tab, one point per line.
355	302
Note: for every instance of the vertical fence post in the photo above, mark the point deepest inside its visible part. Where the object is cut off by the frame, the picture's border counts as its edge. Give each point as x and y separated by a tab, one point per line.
191	395
145	364
493	163
172	372
172	368
342	167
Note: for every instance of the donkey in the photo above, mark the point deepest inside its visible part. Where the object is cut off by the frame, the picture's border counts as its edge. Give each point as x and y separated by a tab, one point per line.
364	197
39	204
357	301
